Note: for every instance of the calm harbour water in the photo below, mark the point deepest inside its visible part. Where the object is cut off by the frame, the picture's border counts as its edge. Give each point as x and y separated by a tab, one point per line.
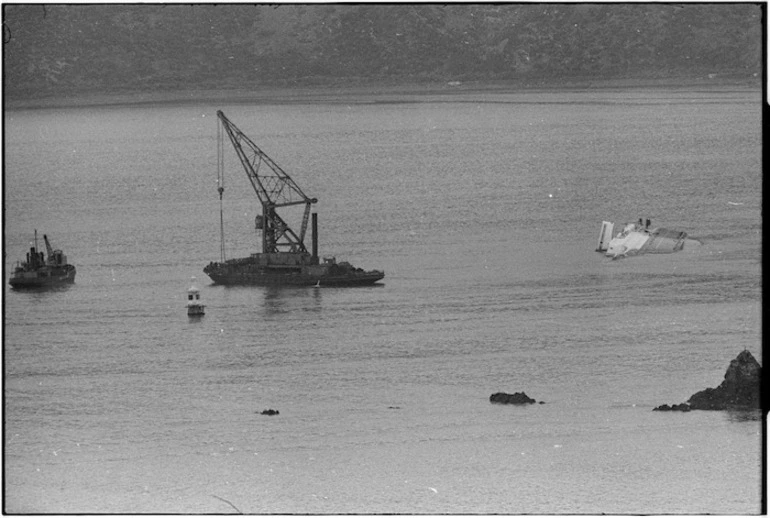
484	211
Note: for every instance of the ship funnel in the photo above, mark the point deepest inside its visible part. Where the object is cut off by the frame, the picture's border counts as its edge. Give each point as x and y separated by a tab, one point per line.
314	259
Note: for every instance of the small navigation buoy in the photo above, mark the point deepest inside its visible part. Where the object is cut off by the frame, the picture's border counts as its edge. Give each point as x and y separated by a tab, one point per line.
194	306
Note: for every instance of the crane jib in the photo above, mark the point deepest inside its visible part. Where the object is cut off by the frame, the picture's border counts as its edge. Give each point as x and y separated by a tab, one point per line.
274	188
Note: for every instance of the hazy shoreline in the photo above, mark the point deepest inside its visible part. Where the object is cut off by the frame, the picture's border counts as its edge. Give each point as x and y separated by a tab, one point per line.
362	93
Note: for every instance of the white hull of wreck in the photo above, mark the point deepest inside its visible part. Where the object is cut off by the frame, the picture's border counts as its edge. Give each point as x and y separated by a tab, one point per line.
636	238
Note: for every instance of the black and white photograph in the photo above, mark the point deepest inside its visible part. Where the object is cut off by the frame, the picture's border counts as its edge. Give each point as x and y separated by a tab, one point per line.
383	258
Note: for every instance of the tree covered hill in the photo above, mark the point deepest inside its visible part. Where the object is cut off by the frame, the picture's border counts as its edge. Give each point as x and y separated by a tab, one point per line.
61	49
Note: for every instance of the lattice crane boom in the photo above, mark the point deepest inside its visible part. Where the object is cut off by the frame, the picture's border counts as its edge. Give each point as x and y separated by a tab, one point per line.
274	188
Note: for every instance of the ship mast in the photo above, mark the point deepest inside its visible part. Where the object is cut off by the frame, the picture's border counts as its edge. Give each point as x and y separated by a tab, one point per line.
275	190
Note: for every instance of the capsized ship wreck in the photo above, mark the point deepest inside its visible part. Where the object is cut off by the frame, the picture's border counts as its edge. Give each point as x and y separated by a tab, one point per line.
284	260
639	238
40	271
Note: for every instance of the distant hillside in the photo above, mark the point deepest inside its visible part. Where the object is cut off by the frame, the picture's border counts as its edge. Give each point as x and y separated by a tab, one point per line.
60	49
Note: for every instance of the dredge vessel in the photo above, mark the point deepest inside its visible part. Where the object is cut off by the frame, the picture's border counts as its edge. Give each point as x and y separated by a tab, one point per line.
284	260
39	271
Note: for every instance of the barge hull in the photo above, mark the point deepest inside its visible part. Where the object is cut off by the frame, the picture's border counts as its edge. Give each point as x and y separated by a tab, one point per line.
35	280
293	280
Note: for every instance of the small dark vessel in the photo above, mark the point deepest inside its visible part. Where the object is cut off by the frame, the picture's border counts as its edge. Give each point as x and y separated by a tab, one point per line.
284	260
38	271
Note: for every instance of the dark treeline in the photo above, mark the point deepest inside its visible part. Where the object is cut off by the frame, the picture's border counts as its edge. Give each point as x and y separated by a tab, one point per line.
52	49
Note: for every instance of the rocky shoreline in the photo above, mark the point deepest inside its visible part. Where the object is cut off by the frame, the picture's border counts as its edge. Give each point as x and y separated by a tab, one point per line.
357	92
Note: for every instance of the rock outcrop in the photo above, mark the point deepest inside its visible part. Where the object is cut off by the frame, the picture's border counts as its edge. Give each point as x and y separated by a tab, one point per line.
740	388
682	407
519	398
739	391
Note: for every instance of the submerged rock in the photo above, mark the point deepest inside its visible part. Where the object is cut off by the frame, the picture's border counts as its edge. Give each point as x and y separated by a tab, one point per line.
739	390
519	398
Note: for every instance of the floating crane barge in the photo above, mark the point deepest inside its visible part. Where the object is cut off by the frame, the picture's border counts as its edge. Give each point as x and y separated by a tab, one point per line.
284	260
